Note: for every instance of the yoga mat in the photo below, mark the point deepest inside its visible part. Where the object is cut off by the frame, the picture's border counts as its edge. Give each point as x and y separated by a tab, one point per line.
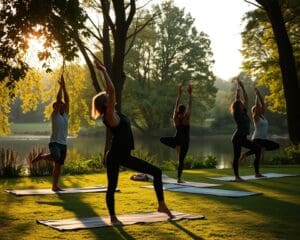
207	191
252	177
28	192
167	179
127	219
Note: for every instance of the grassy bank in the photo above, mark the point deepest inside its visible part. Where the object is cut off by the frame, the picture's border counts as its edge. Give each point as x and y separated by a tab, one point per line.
273	215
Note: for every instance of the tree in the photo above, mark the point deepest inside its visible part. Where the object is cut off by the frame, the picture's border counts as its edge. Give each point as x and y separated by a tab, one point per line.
287	66
260	52
170	51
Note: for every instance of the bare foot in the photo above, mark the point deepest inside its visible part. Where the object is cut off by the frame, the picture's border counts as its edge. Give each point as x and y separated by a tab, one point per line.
115	221
238	179
37	158
164	209
180	181
258	175
242	157
56	189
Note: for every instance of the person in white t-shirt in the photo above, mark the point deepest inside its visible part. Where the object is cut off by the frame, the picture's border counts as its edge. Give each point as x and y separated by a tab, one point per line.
58	139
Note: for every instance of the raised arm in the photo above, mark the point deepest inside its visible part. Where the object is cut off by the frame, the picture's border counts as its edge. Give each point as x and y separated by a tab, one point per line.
110	115
59	93
177	101
259	101
245	96
189	110
65	93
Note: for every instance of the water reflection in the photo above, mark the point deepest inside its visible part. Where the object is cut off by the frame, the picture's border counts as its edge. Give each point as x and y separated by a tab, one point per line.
219	146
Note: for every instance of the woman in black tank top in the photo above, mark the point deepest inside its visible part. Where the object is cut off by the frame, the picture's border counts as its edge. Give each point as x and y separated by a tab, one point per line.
122	143
181	119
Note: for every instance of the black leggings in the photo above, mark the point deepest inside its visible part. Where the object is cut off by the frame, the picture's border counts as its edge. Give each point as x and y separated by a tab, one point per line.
240	141
184	147
268	145
113	161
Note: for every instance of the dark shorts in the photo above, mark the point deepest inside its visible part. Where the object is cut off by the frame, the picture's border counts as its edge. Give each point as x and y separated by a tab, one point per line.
58	152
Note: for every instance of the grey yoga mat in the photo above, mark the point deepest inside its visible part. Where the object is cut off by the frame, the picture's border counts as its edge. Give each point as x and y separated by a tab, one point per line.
252	177
207	191
127	219
28	192
167	179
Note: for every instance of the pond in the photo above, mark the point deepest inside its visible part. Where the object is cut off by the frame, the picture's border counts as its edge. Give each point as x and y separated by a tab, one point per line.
218	146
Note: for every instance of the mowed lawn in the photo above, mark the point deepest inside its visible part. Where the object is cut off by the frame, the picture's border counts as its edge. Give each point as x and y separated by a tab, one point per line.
273	215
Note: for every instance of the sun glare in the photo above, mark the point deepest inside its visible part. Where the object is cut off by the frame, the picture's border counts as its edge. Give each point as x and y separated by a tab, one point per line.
36	46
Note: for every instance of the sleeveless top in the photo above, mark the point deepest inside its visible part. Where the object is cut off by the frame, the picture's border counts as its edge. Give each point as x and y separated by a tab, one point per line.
59	128
242	121
182	134
260	128
122	138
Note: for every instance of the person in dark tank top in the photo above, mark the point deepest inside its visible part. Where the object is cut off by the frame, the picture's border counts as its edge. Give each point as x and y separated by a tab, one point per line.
239	139
181	120
122	142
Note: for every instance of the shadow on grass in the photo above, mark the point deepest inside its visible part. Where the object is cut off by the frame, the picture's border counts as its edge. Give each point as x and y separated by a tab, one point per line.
189	233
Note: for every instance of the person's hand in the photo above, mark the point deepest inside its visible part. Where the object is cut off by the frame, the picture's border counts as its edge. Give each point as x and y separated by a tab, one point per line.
61	80
189	89
99	65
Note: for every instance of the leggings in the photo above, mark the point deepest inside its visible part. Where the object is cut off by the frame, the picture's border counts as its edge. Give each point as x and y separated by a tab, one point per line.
240	141
268	145
184	147
113	161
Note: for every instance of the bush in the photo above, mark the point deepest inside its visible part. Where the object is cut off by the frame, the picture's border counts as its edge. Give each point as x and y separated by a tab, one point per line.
40	168
289	155
75	164
9	163
192	162
292	153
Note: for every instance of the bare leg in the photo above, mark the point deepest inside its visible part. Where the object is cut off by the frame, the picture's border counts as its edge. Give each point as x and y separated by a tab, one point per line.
55	176
43	156
162	207
115	221
242	157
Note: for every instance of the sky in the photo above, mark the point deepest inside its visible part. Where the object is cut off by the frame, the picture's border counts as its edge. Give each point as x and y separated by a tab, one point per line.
222	21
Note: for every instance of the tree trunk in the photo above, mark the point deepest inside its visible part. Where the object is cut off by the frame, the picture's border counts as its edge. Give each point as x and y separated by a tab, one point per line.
88	62
288	67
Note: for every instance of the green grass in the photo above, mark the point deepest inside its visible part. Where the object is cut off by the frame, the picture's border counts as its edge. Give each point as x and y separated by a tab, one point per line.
273	215
31	128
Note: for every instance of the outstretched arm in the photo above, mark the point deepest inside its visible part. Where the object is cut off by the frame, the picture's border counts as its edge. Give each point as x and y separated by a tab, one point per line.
245	96
111	117
189	90
177	101
59	93
259	101
65	93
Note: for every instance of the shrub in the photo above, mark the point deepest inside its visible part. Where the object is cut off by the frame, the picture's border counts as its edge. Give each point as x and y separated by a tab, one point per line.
192	162
76	164
9	163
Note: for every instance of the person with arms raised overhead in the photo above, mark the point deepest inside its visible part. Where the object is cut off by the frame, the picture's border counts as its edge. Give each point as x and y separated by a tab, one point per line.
260	134
122	143
239	139
58	139
181	120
